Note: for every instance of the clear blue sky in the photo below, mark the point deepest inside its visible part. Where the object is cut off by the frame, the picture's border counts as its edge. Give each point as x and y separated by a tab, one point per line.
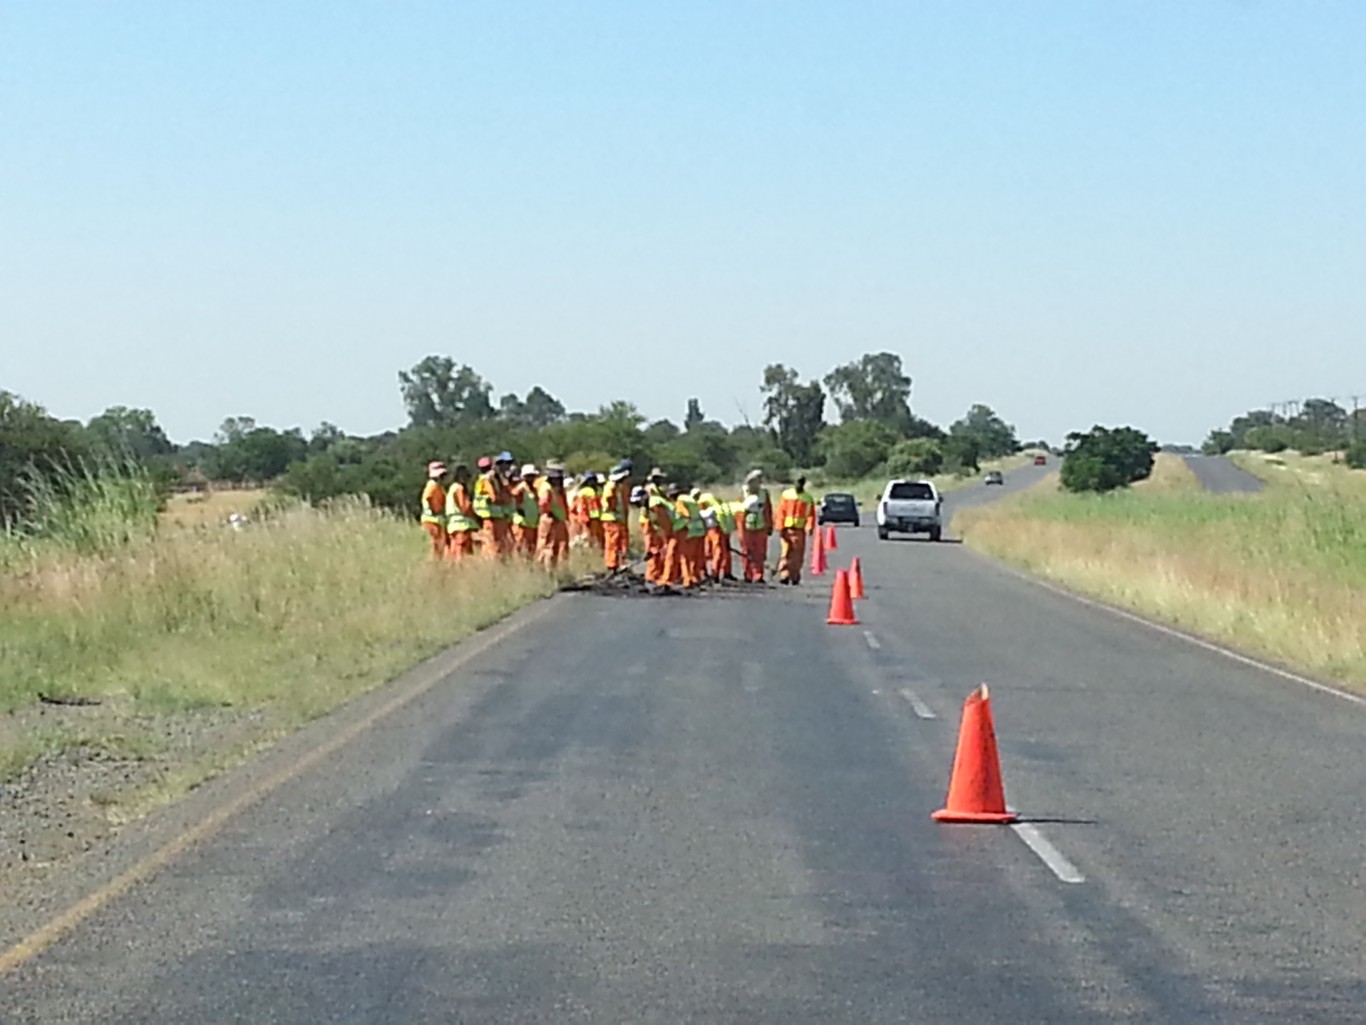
1119	212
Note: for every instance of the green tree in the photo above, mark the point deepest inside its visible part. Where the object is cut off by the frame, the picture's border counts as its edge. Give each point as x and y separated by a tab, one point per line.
122	432
995	437
915	457
437	393
694	415
855	448
1218	443
872	388
1356	454
1103	459
793	412
33	442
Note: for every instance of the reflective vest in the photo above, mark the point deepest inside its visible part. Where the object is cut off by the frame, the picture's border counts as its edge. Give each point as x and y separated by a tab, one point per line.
527	511
588	505
797	509
693	522
433	502
753	506
659	513
486	496
725	519
615	502
458	519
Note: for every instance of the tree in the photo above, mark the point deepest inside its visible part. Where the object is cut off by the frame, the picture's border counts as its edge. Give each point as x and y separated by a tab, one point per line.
1103	459
795	413
995	437
872	388
325	435
33	442
915	457
855	448
694	415
962	453
1324	420
437	393
129	433
541	409
257	456
1218	443
1356	454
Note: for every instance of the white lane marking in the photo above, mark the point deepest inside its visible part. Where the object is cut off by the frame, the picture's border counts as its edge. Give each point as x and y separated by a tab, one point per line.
1048	854
1171	631
873	642
919	707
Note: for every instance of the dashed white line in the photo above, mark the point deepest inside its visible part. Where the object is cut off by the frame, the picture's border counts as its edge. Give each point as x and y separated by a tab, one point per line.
919	707
1052	857
873	642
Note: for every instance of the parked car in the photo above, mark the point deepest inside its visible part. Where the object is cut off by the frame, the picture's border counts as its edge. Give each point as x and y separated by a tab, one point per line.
910	507
994	477
1040	460
838	507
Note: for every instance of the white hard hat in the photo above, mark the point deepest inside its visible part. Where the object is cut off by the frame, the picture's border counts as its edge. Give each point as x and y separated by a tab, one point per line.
529	470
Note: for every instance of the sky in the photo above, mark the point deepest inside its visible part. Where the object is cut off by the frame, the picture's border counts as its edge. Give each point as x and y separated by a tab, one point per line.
1118	212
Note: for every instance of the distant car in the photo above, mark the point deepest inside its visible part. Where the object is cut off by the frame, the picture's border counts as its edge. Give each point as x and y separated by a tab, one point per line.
994	477
1040	460
838	507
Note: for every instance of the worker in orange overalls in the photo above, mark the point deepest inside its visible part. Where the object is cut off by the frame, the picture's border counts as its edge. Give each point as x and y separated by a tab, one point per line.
797	520
461	523
552	530
757	525
677	540
656	531
616	515
526	511
493	506
434	508
689	539
720	525
588	509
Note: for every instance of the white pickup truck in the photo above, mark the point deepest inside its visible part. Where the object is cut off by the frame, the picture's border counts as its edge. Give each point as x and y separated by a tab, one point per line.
910	507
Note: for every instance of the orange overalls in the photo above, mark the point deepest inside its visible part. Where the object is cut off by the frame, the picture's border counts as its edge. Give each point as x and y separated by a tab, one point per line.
616	532
493	505
797	514
656	528
718	561
552	530
588	514
434	517
461	522
758	528
526	518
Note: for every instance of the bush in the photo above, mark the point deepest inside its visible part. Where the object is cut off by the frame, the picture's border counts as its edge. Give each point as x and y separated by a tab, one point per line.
855	449
1356	454
917	457
1103	459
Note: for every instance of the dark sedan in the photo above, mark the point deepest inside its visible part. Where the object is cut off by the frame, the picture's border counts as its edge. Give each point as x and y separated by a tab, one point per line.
838	507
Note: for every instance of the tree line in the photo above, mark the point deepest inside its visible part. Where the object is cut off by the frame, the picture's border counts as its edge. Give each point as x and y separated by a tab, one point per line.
453	415
1320	425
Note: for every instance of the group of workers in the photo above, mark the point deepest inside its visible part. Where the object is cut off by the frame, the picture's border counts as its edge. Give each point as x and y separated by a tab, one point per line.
687	535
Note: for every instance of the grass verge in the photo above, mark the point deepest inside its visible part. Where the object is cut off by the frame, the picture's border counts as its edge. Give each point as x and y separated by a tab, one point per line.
281	622
1281	573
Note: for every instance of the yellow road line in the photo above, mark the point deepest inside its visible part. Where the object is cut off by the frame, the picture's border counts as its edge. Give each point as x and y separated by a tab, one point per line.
56	929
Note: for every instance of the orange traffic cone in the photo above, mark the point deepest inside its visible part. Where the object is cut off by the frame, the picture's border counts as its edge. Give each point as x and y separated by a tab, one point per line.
856	580
976	793
818	563
841	608
831	543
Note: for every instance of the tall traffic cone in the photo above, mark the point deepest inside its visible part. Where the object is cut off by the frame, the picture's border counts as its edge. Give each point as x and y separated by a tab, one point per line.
831	543
818	563
976	793
841	608
856	580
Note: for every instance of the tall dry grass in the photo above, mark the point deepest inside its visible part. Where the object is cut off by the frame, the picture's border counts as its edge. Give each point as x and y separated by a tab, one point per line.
1281	573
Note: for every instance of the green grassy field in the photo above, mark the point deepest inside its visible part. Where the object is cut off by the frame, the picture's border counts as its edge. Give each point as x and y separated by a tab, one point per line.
1281	573
284	620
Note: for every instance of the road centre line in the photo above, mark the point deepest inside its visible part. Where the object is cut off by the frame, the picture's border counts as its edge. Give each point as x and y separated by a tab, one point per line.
919	707
872	640
1052	857
427	676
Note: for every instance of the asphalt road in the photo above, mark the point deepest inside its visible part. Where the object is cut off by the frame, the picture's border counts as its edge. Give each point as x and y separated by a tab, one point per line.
1219	475
718	810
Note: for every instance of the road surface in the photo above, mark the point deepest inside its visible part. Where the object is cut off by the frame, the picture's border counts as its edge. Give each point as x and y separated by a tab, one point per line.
1218	474
717	810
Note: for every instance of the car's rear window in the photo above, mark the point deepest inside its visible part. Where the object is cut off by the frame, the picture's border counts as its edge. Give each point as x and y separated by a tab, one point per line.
912	490
839	500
